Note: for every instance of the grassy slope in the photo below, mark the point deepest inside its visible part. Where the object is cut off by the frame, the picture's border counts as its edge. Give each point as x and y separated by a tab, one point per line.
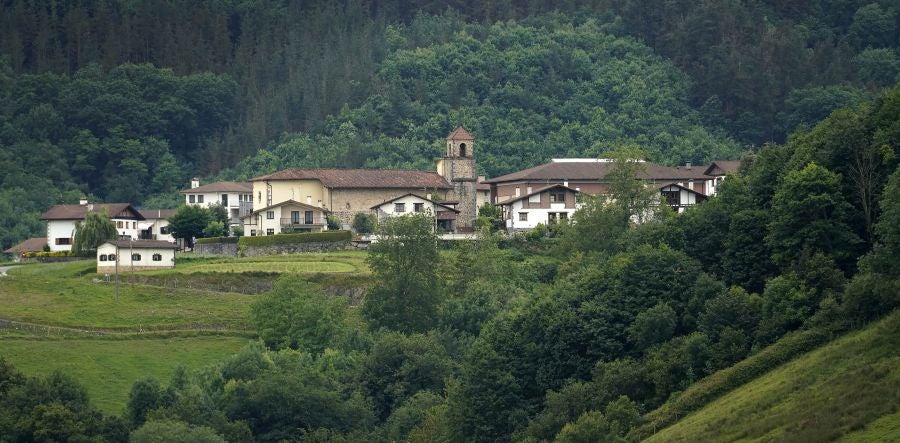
847	388
108	367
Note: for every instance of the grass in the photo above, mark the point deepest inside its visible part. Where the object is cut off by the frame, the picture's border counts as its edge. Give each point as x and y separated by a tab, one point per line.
338	261
849	387
277	267
64	294
108	367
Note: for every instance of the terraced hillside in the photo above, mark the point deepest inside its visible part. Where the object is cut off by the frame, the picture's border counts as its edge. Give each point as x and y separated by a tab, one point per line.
846	390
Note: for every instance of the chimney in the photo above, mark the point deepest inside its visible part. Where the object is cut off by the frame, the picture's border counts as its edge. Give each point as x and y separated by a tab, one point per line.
83	201
566	183
687	165
309	199
195	183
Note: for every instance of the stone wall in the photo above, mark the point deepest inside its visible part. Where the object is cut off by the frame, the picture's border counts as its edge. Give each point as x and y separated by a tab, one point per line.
216	248
345	203
127	268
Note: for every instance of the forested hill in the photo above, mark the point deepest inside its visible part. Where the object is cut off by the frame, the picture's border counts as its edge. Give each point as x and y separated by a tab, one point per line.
125	100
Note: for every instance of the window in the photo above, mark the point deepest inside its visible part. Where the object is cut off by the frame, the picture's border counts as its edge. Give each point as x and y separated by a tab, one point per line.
270	215
157	257
558	197
418	207
253	232
259	195
164	230
200	198
225	200
399	207
119	224
462	149
192	198
64	241
523	216
563	215
536	198
103	257
673	198
135	257
112	257
270	231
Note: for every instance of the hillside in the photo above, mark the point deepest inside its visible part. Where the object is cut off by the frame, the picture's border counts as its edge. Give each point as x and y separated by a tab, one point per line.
847	389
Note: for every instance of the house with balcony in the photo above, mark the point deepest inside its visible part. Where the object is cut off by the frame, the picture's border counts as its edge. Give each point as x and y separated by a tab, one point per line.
545	205
445	215
287	217
62	219
235	197
156	225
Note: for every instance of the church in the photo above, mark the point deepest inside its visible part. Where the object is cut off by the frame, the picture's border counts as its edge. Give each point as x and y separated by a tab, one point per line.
299	200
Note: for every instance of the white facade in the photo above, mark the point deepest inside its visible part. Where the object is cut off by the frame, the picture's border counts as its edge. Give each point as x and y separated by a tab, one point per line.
61	233
445	215
136	256
521	218
679	198
235	197
155	227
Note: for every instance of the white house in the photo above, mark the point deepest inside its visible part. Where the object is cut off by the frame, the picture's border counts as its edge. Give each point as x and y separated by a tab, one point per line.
156	224
235	197
718	169
61	221
286	217
445	214
135	255
546	205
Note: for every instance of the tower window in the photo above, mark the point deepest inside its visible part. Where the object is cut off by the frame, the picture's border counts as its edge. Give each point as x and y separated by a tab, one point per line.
462	149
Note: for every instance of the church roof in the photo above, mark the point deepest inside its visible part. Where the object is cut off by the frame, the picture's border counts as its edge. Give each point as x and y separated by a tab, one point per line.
460	133
363	178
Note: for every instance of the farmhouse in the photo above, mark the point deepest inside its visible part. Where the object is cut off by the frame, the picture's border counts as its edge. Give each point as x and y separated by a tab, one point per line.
546	205
289	216
156	224
35	244
346	192
61	221
135	255
445	214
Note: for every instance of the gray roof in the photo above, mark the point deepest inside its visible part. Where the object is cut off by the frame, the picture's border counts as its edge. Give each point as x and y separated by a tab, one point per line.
78	212
221	187
596	170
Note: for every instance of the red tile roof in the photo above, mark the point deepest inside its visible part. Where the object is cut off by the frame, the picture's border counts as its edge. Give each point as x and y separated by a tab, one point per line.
143	244
363	178
460	133
35	244
596	170
221	187
77	212
722	167
441	204
536	191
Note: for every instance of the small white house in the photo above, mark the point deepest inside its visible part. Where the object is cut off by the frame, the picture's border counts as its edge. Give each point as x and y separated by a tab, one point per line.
286	217
156	224
444	213
61	221
547	205
235	197
135	255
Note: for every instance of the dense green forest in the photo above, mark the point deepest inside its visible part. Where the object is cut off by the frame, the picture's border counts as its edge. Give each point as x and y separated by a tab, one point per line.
569	333
97	94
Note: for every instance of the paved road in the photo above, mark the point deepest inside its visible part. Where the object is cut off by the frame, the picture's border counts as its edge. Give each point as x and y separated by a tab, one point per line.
3	270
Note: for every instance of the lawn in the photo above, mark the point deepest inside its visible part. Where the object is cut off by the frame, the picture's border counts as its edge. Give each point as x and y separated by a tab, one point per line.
269	266
107	367
65	294
850	387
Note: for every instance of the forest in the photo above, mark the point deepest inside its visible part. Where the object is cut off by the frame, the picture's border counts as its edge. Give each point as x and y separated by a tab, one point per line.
569	333
126	100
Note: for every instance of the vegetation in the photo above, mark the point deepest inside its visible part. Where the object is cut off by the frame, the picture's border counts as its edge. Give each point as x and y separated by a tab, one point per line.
363	223
285	239
95	230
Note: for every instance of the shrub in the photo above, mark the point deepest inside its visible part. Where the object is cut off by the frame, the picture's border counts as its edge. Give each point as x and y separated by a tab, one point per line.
364	223
212	240
31	254
286	239
334	223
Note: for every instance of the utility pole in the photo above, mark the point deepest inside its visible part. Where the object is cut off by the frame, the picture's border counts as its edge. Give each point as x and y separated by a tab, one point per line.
117	273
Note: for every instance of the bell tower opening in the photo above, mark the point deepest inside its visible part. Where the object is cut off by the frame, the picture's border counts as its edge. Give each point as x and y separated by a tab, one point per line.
462	149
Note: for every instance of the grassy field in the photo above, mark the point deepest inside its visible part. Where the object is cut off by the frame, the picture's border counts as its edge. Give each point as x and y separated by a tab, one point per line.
65	294
107	367
849	388
277	267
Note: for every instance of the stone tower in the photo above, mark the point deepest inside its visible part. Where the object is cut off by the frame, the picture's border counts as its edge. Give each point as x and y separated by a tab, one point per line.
458	168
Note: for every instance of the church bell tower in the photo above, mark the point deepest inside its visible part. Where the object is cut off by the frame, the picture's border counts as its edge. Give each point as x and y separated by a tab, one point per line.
458	168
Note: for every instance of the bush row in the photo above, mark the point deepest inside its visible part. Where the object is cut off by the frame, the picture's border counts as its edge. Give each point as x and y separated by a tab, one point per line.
283	239
208	240
32	254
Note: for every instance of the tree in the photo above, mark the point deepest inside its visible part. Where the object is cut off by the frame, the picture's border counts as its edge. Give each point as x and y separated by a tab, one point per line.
189	222
334	223
810	214
95	230
655	325
404	261
165	431
214	228
627	189
363	223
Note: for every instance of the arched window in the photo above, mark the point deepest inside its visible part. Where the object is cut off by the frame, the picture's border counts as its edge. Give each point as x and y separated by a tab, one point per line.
103	257
157	257
462	149
135	257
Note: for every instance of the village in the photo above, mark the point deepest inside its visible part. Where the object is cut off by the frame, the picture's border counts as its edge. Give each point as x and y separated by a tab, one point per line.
300	201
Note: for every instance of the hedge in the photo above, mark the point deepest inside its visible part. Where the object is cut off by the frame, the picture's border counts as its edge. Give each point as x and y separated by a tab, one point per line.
208	240
33	254
285	239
